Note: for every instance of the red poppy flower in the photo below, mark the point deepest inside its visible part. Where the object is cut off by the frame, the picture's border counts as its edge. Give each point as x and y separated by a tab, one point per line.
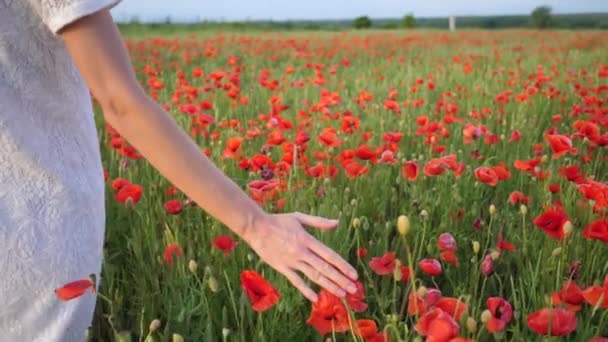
553	188
452	306
364	152
552	222
383	265
74	289
224	243
410	170
486	175
446	242
431	267
356	300
329	138
502	313
517	197
350	124
328	313
406	274
173	207
515	136
597	230
361	252
597	295
570	295
504	245
170	251
553	322
119	183
353	169
232	146
560	145
368	330
437	326
260	292
420	305
450	257
132	191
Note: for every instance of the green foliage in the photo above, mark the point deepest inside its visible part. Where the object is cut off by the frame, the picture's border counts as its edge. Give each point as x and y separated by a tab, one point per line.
408	21
362	22
541	17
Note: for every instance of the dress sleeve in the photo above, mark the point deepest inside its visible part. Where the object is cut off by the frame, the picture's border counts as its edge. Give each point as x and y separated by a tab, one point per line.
56	14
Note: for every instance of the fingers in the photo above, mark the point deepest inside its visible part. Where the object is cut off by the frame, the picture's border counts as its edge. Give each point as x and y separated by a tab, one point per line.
326	275
332	258
320	279
299	284
315	221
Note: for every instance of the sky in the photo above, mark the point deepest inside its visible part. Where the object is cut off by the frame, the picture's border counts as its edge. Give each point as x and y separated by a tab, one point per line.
240	10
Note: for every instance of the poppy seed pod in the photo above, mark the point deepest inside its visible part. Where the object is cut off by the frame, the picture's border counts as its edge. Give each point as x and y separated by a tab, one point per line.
492	210
424	214
556	252
403	225
177	338
225	332
356	223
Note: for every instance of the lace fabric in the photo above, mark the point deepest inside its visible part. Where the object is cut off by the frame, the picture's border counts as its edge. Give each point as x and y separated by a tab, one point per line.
52	213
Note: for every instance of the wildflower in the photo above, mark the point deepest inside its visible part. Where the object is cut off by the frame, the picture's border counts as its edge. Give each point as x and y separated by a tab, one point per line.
260	292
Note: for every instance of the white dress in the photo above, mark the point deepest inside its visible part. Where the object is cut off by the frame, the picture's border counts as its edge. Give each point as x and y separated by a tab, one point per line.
52	214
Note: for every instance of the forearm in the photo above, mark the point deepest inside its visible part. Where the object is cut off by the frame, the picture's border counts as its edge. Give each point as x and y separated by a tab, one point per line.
146	126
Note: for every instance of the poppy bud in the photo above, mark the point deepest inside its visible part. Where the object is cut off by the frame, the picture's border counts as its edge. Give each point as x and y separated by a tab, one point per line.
556	252
487	265
424	214
250	257
124	336
476	247
494	255
421	291
492	210
471	325
213	285
177	338
192	266
568	228
356	222
523	210
486	316
225	332
154	325
353	202
403	225
397	272
129	203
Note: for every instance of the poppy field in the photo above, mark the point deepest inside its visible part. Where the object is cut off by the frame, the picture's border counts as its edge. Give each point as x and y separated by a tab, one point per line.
468	172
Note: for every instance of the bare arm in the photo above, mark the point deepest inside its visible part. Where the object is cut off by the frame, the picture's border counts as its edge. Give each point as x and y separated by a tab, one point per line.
280	240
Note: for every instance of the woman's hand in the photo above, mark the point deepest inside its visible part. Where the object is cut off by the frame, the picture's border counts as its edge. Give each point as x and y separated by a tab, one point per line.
281	242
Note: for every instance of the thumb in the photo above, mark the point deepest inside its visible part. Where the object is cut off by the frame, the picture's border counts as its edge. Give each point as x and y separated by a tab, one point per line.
315	221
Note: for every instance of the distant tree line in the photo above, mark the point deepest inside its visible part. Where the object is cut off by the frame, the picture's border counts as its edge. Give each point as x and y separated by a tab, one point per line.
540	18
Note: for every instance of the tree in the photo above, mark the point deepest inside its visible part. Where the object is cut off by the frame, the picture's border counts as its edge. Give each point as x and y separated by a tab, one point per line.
541	17
362	22
408	21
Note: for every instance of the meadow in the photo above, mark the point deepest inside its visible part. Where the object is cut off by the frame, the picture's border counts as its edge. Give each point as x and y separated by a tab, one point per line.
468	171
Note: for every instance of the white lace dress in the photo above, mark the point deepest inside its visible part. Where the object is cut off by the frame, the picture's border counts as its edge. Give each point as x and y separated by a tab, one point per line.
52	214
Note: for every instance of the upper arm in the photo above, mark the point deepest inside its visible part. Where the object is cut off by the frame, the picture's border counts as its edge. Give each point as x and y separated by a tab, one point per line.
102	59
56	14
